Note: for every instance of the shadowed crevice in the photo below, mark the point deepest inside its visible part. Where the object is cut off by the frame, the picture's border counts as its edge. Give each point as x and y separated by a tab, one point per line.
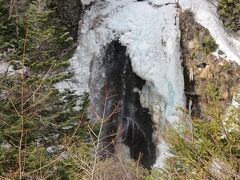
131	123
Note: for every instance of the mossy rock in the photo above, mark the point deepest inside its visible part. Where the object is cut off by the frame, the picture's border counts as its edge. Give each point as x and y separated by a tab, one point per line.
229	12
209	44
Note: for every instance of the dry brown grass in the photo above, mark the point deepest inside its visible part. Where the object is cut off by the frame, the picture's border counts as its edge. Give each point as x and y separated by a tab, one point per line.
118	169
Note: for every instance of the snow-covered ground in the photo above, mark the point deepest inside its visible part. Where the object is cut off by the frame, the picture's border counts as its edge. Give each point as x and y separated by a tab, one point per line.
4	66
7	69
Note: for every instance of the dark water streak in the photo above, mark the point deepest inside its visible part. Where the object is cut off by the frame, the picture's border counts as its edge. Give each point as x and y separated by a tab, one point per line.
133	121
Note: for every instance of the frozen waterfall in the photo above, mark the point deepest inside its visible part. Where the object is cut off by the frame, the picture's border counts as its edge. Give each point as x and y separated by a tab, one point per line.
131	49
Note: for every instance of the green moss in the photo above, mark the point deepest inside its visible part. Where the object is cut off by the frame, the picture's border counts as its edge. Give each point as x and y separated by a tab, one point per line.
209	44
229	12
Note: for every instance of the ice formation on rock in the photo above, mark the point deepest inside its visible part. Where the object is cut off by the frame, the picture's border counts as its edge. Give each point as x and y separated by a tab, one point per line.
150	32
151	35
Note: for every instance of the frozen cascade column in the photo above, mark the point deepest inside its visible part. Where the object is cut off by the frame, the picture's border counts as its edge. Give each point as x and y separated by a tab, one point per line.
150	32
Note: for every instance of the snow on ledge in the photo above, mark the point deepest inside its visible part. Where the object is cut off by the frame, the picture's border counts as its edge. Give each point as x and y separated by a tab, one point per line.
207	16
86	2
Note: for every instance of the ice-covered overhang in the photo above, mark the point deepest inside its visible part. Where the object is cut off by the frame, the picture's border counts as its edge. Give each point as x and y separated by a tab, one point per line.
150	32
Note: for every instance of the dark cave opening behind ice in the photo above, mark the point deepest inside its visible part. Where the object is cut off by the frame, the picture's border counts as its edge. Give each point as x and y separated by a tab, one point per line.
131	123
146	86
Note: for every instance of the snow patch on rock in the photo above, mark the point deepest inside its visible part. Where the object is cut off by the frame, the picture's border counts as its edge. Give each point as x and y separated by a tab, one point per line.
86	2
5	67
207	16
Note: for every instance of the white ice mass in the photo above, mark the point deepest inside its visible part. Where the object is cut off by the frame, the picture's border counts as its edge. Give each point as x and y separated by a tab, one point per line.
150	31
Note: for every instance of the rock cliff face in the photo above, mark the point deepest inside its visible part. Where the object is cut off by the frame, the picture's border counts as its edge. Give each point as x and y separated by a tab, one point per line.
69	13
201	68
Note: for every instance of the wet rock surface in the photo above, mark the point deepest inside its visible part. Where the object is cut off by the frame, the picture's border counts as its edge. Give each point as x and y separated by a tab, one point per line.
129	122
